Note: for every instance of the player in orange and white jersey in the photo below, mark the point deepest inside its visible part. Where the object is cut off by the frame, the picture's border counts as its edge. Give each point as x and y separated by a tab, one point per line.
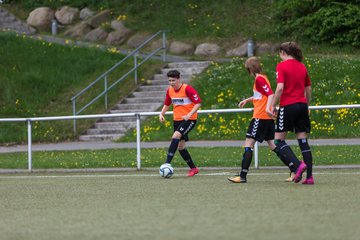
262	125
186	102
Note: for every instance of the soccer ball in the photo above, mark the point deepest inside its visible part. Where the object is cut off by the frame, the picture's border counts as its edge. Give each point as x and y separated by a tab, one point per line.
166	170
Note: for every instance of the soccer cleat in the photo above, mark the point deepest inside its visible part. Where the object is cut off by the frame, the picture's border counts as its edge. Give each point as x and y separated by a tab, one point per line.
301	169
309	181
192	172
237	179
291	177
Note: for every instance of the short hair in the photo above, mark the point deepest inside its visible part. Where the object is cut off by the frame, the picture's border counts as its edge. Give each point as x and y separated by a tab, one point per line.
173	74
292	49
253	65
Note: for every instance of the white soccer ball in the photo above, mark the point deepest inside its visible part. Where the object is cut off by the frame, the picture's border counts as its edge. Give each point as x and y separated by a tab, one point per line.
166	170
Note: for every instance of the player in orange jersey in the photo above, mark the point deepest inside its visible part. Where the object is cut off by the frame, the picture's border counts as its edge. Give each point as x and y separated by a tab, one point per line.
262	125
186	102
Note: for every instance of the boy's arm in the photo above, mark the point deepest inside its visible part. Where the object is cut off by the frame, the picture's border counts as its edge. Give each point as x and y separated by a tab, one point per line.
193	110
162	113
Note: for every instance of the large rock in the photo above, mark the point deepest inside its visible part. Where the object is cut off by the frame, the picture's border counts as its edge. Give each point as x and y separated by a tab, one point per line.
158	43
265	48
240	51
118	37
79	30
86	13
41	18
137	40
181	48
99	18
96	35
208	49
66	15
117	25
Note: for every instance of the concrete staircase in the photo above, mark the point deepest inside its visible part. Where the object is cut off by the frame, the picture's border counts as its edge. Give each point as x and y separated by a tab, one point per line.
9	22
147	98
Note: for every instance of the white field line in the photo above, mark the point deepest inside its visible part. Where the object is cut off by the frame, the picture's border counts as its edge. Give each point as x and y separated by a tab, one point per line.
157	175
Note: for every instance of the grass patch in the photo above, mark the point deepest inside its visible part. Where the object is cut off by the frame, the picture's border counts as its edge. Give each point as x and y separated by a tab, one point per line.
203	157
145	206
223	86
39	79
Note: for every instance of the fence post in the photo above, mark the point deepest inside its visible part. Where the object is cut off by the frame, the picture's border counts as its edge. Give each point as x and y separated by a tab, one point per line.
138	146
105	89
256	155
29	145
164	46
74	113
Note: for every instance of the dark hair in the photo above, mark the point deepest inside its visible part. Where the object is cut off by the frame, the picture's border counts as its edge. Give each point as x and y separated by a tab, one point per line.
253	65
173	74
292	49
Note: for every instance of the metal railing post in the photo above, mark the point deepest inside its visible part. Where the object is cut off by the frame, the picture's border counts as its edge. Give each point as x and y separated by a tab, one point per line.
164	46
74	113
135	72
138	146
29	145
256	155
105	90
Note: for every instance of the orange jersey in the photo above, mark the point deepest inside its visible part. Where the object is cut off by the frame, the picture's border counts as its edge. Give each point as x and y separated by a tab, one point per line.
262	89
182	103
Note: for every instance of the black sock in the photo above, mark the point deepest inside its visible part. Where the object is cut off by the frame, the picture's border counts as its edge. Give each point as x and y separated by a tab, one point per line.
246	161
286	152
187	158
307	155
172	149
285	160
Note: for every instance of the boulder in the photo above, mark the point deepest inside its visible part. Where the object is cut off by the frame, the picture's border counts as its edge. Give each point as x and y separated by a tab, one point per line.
86	13
96	35
79	30
265	48
208	49
98	19
118	37
117	25
158	43
41	18
181	48
66	15
137	40
240	51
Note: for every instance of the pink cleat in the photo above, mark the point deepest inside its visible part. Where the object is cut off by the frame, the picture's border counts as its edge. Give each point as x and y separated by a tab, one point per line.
309	181
192	172
299	172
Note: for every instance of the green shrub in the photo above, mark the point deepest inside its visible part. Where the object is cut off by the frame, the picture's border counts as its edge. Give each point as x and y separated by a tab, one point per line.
320	21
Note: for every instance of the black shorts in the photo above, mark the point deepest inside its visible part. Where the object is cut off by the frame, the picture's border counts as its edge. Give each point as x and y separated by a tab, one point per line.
184	127
293	118
261	129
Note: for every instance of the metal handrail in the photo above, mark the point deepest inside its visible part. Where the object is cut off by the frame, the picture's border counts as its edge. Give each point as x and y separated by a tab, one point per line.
138	115
104	76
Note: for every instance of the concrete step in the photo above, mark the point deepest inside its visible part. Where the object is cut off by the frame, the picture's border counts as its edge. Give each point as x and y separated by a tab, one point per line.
135	106
113	125
163	76
142	94
153	108
194	70
153	87
202	64
98	131
101	137
144	100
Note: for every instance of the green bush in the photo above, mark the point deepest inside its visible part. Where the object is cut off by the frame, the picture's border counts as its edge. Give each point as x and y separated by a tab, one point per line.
320	21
